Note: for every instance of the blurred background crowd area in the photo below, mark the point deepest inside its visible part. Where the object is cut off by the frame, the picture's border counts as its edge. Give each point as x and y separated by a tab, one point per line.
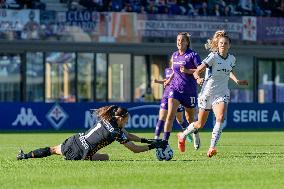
268	8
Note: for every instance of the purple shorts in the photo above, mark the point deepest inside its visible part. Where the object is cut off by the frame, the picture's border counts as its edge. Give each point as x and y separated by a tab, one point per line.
164	105
187	100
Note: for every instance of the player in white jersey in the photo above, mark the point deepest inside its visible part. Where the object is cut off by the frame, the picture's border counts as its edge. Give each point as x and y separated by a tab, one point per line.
215	84
214	93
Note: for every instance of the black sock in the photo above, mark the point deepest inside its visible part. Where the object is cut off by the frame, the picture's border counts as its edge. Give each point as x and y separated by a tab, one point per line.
39	153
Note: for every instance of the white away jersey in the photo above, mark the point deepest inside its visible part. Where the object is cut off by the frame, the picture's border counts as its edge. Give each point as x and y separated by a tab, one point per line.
218	73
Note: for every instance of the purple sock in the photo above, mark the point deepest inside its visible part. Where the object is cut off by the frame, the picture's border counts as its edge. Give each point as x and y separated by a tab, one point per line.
166	135
159	128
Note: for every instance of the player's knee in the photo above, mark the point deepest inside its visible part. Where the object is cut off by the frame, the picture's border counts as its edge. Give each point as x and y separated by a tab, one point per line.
220	118
198	125
171	117
163	117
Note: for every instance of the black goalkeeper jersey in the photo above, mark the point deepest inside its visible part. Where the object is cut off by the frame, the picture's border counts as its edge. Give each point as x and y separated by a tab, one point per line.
100	135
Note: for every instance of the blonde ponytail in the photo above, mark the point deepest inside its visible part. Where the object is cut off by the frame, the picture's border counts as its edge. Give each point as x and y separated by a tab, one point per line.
212	44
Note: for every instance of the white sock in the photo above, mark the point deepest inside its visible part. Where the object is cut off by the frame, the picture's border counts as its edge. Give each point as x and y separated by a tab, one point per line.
190	129
216	134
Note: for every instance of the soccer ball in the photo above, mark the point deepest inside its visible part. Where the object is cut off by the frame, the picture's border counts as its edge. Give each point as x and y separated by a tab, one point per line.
164	154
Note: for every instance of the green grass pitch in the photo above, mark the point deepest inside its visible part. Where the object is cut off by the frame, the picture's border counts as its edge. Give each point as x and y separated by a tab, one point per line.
245	160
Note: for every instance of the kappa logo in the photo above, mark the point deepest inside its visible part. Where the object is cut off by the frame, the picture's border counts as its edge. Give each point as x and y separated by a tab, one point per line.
26	118
57	116
186	57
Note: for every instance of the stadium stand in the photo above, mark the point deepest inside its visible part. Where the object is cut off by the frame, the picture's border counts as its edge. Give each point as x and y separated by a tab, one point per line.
20	4
55	5
184	7
273	8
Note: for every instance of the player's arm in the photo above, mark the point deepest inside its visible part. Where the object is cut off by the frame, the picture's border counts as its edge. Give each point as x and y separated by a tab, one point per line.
135	138
236	80
207	62
136	148
196	61
159	81
169	80
142	148
200	69
187	71
131	137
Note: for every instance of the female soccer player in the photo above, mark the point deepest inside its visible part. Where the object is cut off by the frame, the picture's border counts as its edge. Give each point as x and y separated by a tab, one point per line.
164	107
108	128
183	86
214	93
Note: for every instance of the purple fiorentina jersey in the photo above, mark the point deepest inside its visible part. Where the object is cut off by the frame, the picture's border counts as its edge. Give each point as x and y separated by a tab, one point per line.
183	82
168	72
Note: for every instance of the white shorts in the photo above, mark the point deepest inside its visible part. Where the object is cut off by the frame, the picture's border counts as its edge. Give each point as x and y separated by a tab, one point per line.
206	102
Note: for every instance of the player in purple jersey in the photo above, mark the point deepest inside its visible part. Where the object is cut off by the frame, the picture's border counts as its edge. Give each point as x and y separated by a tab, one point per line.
214	93
164	107
107	129
183	86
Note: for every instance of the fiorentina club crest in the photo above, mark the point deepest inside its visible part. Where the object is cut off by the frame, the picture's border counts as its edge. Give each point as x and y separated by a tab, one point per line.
249	28
56	116
186	57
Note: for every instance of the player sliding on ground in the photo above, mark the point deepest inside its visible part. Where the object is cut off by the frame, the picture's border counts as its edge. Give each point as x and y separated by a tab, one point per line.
214	93
85	146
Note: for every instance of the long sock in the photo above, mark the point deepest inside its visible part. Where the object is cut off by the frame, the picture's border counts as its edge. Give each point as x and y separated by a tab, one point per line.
39	153
159	128
166	135
190	129
216	134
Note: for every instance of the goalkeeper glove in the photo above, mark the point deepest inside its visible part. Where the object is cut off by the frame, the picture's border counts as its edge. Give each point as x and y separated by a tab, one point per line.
158	144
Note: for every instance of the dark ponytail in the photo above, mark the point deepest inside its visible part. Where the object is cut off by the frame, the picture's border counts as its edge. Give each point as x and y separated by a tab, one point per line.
109	112
121	112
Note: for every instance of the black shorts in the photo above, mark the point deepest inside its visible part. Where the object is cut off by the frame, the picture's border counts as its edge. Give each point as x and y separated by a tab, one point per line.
71	150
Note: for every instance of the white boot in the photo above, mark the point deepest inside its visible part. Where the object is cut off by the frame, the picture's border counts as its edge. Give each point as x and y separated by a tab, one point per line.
196	140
